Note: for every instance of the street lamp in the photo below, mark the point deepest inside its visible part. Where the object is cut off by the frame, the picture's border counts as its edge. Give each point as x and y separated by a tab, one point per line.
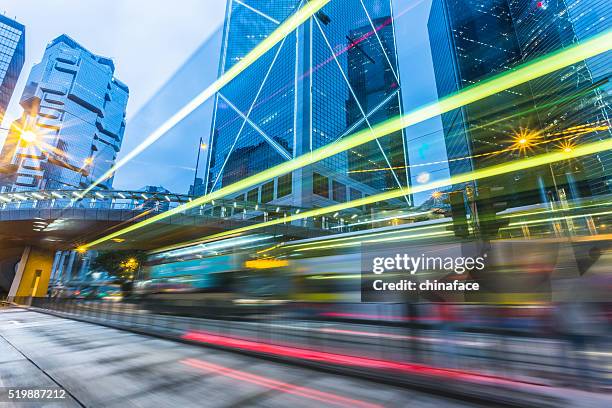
28	136
202	146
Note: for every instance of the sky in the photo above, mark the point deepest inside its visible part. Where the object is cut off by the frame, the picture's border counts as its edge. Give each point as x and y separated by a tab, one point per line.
147	42
155	48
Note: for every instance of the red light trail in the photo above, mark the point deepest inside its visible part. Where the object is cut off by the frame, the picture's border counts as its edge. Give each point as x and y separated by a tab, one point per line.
352	361
311	393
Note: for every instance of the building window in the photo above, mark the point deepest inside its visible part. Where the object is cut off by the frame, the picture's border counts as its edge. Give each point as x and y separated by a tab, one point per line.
368	207
252	195
267	192
320	185
284	186
339	191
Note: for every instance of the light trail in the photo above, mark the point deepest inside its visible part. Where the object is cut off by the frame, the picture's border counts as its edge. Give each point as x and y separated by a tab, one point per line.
325	397
363	236
524	73
289	351
569	217
577	131
402	238
264	46
492	171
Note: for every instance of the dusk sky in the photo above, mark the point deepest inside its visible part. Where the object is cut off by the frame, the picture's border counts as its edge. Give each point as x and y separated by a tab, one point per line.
146	39
149	43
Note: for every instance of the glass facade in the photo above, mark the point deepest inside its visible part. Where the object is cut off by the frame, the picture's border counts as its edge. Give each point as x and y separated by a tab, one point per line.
12	57
543	27
76	109
473	40
374	78
336	74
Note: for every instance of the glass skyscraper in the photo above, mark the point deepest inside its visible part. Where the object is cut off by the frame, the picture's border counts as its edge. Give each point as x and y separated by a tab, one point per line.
473	40
581	99
75	109
12	57
336	74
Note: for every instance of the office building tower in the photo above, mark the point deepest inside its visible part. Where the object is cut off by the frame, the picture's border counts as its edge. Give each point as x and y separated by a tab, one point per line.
572	97
335	75
588	18
475	40
12	56
73	121
375	80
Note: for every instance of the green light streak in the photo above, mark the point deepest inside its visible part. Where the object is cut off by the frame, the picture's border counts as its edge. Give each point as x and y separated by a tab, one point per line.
526	72
264	46
492	171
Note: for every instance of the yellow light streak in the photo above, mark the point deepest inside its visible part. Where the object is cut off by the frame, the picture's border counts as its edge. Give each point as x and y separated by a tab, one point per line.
266	263
552	210
568	135
264	46
568	217
367	235
374	241
491	171
526	72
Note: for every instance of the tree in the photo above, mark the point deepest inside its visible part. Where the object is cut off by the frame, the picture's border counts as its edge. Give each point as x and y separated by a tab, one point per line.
123	265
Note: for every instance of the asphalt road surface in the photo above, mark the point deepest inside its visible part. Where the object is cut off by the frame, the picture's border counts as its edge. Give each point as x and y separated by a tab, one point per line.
96	366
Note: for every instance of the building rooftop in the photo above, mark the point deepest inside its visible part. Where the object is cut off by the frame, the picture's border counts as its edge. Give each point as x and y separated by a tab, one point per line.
9	21
66	39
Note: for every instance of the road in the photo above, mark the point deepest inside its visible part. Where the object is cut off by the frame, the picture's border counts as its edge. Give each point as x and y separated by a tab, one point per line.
103	367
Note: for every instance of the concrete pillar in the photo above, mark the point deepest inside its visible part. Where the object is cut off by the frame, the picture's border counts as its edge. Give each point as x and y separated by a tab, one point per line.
32	275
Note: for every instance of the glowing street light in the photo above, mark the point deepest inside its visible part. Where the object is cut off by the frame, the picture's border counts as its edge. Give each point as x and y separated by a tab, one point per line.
28	136
524	140
567	146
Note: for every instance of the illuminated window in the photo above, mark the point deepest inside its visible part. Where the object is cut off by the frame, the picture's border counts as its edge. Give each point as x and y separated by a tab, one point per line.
267	192
320	185
252	195
338	191
284	186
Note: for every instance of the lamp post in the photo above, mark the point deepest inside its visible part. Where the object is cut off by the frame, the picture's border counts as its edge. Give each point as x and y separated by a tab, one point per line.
201	146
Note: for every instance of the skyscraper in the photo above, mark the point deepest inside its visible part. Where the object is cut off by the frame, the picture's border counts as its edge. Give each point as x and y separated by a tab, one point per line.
590	17
375	80
473	40
335	75
73	120
546	26
12	56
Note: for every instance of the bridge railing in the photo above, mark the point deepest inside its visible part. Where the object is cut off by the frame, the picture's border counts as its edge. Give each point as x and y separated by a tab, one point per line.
20	205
